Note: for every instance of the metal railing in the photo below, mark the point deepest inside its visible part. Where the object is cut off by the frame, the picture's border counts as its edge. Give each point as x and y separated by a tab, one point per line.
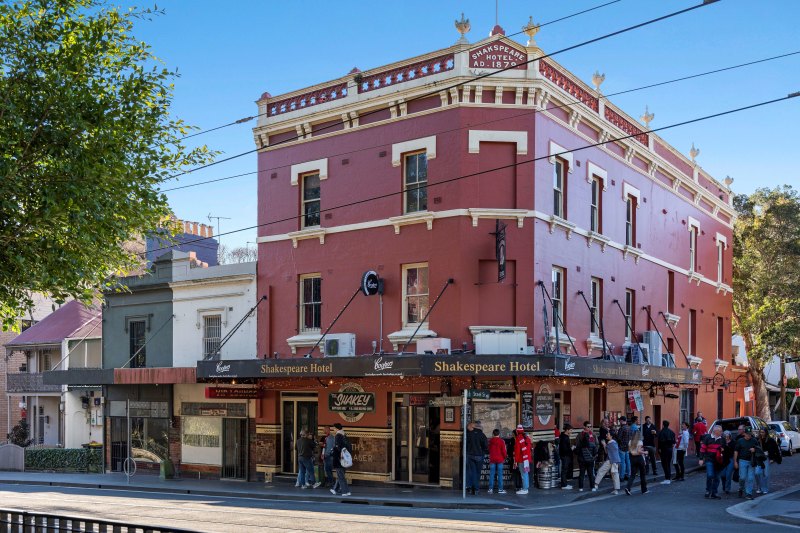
23	521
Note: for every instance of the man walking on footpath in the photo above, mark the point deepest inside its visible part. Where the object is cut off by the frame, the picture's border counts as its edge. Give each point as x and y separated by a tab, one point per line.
327	455
649	433
565	455
477	448
586	451
611	464
666	446
711	454
624	441
340	443
743	456
681	447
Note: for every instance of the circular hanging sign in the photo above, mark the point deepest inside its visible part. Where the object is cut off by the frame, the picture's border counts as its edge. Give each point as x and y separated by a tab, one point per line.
351	402
545	404
370	283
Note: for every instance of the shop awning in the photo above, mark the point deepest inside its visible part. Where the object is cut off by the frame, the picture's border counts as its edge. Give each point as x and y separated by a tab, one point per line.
446	365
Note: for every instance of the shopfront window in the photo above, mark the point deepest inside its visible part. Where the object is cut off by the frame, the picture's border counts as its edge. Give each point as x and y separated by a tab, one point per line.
496	415
415	293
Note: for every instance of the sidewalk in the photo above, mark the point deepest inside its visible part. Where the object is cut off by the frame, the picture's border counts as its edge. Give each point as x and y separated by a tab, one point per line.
388	495
779	508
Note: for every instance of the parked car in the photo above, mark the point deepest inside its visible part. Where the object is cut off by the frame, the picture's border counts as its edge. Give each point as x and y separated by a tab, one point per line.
788	436
753	423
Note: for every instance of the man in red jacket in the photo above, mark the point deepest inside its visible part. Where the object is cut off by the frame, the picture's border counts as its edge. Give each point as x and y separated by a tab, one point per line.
523	457
497	456
699	430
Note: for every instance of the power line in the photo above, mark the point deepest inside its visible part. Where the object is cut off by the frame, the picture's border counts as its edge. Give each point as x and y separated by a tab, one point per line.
476	78
531	112
519	163
248	119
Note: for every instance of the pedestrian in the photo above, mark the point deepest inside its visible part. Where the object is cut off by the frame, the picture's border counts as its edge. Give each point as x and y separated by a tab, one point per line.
611	464
523	457
586	451
666	445
638	456
635	424
565	455
771	453
681	447
740	433
701	418
477	448
649	435
727	461
699	430
340	444
497	456
624	441
305	459
711	455
604	431
327	454
743	456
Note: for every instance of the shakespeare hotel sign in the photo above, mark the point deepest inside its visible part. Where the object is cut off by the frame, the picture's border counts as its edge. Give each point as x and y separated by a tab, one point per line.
498	54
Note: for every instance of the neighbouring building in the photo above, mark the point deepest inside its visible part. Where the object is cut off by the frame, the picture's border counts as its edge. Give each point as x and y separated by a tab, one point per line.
571	282
195	237
58	415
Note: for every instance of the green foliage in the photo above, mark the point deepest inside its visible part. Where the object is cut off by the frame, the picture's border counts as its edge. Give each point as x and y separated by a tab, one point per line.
20	434
87	139
64	460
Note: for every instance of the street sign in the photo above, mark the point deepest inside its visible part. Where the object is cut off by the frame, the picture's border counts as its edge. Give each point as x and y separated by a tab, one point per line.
479	394
748	394
792	360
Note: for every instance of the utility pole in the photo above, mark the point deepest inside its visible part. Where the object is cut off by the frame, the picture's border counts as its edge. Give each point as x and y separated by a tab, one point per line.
783	387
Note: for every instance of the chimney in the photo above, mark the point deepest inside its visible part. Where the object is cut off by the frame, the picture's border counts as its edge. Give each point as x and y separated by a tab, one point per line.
210	231
194	228
203	230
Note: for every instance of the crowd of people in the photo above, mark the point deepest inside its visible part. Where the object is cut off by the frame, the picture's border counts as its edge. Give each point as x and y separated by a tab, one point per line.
318	460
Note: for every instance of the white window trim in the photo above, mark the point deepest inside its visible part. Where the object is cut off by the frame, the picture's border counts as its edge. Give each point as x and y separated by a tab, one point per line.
722	239
693	222
556	151
428	144
318	165
593	171
476	137
630	190
404	281
311	331
304	175
212	311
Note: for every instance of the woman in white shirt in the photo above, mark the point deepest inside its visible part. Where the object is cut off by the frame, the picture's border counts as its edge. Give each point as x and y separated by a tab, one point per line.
681	447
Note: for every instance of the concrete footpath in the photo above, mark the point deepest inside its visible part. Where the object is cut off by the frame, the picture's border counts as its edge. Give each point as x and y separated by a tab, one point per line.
398	495
779	508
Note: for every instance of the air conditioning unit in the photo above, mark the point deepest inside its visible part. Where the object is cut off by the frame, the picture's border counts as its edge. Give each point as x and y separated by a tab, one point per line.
340	345
505	342
668	360
653	340
645	349
433	345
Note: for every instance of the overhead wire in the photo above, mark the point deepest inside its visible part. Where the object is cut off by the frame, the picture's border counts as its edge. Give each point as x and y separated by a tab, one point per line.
470	80
526	113
248	119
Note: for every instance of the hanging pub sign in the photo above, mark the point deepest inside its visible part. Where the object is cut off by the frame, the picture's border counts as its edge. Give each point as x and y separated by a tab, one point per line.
545	404
500	249
371	284
351	402
526	410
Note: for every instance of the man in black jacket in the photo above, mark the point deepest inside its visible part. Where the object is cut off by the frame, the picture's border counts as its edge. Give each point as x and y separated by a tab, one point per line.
649	433
666	446
477	448
565	454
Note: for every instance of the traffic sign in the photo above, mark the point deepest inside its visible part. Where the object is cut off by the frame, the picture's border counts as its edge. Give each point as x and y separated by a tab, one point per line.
479	394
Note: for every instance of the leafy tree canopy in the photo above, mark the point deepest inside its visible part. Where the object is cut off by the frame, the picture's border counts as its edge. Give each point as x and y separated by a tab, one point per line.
86	138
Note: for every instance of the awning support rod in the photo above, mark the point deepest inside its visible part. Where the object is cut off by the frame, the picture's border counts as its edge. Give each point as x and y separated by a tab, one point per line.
353	297
449	282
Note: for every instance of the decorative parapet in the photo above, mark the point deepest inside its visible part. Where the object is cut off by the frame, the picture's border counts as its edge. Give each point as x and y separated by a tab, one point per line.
308	233
302	101
420	217
568	226
569	86
626	126
405	73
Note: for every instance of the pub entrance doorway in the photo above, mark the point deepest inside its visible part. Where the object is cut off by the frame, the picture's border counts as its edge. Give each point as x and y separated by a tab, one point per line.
298	413
416	440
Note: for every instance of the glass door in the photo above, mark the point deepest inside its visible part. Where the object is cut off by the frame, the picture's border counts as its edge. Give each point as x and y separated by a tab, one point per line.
401	464
234	448
297	415
416	443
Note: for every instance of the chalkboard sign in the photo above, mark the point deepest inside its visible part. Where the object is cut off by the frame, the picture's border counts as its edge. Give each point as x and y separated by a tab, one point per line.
526	410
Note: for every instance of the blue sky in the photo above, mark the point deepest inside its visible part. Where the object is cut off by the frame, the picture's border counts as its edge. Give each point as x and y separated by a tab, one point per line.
229	53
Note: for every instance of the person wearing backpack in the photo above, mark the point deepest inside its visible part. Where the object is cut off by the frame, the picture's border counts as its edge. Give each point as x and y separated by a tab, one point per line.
586	451
711	454
498	451
342	460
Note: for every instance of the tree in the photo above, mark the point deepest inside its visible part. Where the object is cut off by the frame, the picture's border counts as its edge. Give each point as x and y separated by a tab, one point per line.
87	138
766	280
240	254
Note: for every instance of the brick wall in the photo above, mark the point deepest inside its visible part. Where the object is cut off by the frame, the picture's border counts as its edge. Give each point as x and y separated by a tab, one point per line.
9	406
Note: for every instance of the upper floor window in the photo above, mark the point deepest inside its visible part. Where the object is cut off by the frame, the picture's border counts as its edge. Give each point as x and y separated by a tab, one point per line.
720	338
560	188
595	306
692	332
311	200
138	350
310	303
415	293
415	184
212	335
720	258
693	248
630	305
557	295
596	209
630	220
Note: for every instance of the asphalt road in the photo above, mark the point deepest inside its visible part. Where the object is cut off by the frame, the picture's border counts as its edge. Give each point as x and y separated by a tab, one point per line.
676	507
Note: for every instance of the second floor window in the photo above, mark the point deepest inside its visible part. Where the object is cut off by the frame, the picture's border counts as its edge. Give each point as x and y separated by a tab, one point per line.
630	221
693	248
560	188
557	296
720	256
595	304
138	351
692	332
415	183
310	303
415	293
595	211
311	200
212	335
630	305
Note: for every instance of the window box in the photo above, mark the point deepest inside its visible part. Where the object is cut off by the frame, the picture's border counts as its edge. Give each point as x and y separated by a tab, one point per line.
399	338
303	340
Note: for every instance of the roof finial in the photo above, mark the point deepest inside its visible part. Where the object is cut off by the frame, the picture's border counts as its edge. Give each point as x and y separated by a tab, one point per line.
728	182
531	29
598	79
463	28
693	153
647	117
